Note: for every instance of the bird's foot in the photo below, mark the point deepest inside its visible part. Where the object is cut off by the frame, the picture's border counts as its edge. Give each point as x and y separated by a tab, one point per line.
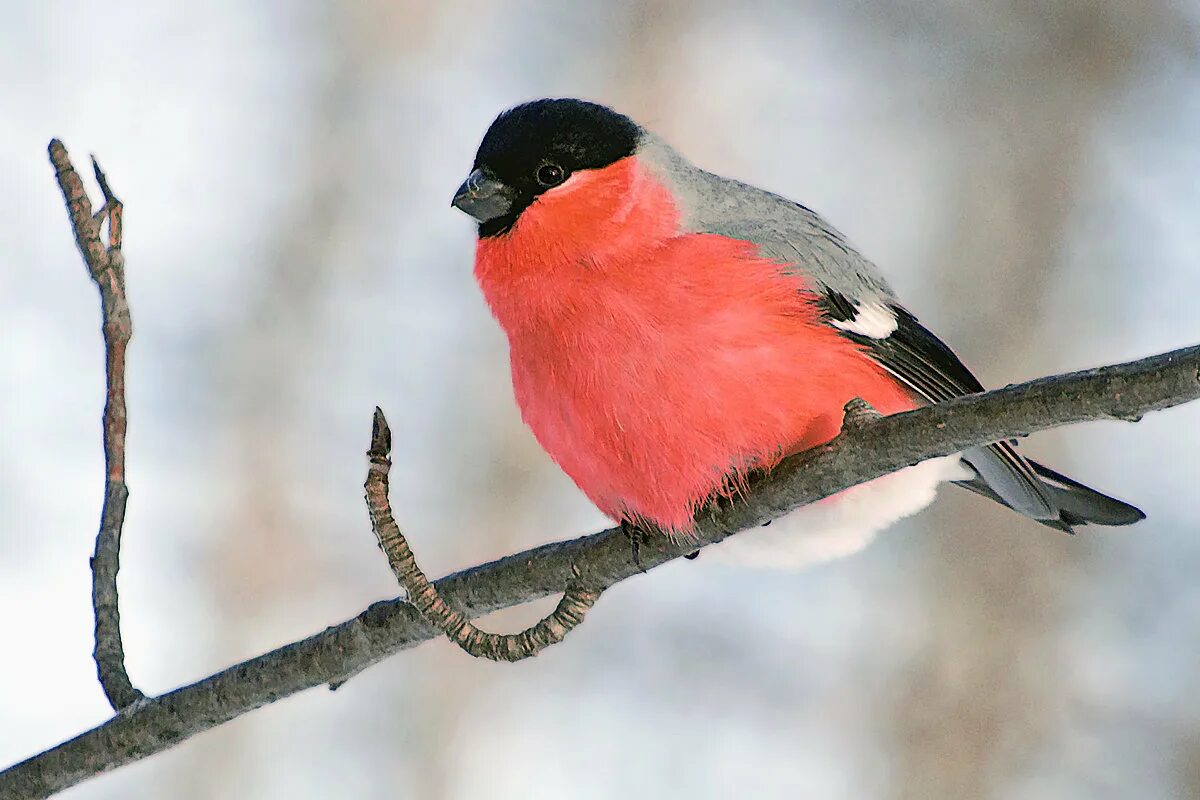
635	535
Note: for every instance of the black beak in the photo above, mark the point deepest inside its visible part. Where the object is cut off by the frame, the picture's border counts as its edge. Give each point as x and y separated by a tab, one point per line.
484	197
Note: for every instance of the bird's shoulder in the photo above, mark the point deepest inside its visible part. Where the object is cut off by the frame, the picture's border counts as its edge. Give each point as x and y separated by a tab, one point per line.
783	230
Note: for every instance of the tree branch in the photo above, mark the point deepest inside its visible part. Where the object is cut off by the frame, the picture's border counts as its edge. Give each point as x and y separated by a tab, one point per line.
867	448
107	268
866	451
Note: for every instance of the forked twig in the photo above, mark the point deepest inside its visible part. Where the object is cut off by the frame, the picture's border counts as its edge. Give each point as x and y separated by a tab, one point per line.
106	265
552	629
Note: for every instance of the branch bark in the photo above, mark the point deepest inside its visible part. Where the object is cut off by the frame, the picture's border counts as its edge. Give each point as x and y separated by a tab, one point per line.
106	265
865	451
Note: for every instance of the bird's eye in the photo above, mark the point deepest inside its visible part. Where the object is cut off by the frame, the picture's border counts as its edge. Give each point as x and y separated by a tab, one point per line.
551	175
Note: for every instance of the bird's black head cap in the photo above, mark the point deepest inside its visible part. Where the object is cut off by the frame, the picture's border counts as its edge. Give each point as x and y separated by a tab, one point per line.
536	146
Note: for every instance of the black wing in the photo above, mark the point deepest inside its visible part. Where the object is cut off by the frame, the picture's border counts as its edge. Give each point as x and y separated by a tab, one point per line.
929	368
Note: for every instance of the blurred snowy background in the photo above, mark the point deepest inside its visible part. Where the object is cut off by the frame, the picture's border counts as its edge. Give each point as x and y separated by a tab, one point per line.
1028	174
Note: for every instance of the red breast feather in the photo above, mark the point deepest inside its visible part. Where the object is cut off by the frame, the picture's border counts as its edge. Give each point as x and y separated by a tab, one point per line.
657	367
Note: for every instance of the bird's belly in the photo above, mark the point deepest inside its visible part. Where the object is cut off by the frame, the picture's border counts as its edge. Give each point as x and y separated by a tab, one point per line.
653	431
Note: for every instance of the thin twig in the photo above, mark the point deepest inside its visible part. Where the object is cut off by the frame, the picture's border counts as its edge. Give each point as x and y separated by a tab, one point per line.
106	265
576	601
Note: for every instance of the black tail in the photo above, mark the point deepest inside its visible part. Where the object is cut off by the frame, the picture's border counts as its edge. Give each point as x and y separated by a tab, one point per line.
1077	504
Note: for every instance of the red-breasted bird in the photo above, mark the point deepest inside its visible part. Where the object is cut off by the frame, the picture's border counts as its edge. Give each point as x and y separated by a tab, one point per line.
671	330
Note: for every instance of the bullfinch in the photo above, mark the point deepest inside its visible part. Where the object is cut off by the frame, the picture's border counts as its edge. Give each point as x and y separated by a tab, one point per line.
671	330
